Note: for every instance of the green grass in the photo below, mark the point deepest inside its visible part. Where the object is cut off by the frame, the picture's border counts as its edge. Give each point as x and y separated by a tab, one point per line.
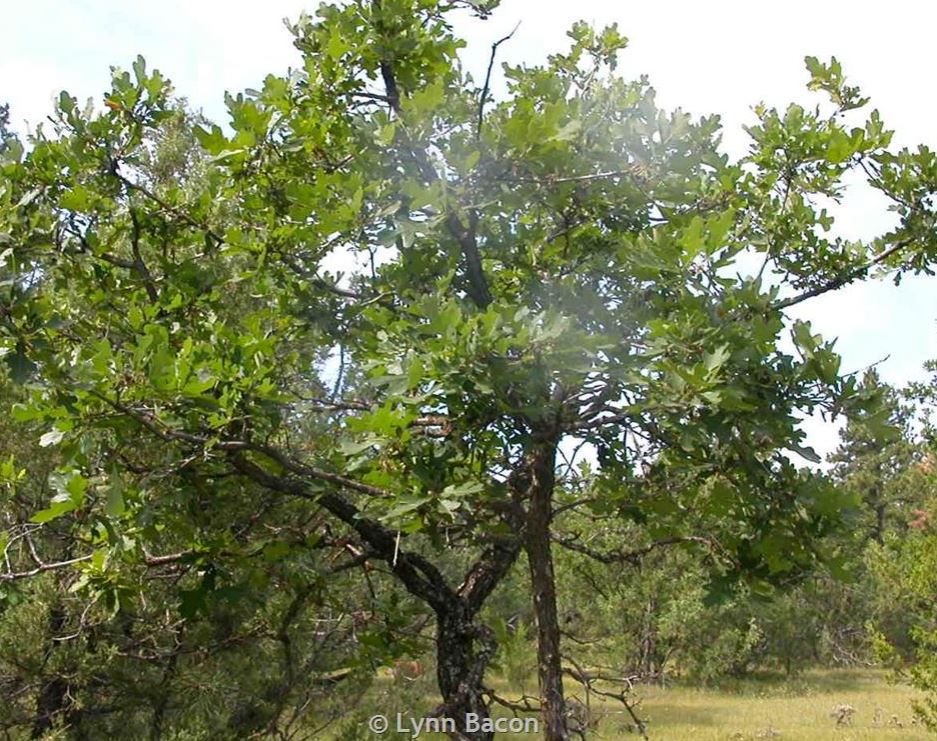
796	709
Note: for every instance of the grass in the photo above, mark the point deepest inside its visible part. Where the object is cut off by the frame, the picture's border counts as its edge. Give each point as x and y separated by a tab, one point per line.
800	709
766	707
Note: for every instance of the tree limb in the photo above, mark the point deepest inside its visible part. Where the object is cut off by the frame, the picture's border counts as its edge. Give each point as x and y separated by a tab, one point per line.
421	578
465	236
633	556
485	87
842	280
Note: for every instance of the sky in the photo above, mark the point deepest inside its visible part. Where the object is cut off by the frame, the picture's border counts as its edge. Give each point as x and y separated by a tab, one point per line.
721	56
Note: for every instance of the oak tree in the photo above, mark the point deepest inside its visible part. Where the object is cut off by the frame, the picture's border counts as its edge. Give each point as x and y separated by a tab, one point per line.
405	306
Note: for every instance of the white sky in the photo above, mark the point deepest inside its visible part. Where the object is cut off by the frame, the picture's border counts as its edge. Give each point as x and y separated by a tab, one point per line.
720	56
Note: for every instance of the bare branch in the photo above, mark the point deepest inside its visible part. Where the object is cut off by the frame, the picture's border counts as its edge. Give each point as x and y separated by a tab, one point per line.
42	567
552	179
633	556
485	87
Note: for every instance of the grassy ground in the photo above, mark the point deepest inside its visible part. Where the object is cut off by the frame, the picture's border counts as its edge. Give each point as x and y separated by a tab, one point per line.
798	709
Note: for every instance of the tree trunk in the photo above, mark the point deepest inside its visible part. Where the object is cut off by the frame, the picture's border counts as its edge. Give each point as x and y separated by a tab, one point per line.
543	584
50	703
162	700
460	666
53	697
879	533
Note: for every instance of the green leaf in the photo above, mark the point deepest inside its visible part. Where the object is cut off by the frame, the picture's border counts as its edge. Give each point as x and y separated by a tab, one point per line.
806	453
57	509
355	447
191	602
715	360
336	45
840	147
29	197
464	489
21	367
276	550
569	131
114	504
405	507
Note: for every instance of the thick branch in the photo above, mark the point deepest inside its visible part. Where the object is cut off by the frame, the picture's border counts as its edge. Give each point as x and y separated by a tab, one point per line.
478	284
419	576
138	264
150	423
301	469
487	572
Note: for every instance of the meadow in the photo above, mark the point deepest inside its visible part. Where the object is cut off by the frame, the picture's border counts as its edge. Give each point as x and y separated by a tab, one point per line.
812	706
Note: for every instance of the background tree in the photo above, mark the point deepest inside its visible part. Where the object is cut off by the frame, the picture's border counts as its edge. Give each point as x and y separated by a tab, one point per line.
7	137
146	657
876	451
904	627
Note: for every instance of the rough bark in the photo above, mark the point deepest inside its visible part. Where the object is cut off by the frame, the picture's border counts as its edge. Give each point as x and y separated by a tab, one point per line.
543	584
461	659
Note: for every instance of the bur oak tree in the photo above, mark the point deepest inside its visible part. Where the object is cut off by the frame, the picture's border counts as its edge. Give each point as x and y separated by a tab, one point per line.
407	305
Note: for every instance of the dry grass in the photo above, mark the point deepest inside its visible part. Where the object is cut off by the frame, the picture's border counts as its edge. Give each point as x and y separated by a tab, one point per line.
802	709
799	709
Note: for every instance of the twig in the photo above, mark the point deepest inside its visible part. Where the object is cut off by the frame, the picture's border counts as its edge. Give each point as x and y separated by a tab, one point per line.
842	280
550	180
14	575
485	87
178	213
525	704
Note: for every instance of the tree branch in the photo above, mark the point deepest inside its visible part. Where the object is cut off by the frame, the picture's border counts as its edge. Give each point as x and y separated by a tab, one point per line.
486	573
465	236
485	87
842	280
178	213
419	576
138	263
633	556
42	567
